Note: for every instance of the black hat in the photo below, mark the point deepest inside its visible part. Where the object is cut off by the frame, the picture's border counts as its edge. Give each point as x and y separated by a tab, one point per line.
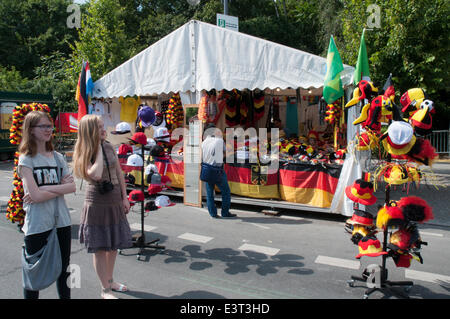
150	206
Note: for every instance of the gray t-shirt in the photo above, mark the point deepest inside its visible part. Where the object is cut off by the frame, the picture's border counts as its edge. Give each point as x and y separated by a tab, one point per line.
40	217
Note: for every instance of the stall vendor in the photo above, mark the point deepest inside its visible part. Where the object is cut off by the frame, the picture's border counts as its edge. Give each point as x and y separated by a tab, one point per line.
284	132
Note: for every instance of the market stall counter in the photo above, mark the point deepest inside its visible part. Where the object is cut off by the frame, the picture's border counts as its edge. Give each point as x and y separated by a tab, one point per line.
311	184
302	183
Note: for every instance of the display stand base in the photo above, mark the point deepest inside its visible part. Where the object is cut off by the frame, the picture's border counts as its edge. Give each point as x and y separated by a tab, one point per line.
139	242
377	281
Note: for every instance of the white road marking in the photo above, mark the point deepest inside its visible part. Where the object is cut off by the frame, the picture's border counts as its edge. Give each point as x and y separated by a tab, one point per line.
195	237
427	276
291	217
431	234
260	226
137	226
339	262
260	249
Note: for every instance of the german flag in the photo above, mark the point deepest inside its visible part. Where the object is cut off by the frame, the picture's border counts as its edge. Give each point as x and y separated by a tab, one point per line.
82	94
252	180
309	184
175	171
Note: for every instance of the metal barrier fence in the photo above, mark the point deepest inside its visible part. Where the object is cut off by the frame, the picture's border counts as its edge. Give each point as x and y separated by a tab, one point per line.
440	141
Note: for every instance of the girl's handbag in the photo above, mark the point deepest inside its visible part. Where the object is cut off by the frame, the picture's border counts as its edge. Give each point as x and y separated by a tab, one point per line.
43	268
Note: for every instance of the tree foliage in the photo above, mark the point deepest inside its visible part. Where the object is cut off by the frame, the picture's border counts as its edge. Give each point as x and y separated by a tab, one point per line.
41	53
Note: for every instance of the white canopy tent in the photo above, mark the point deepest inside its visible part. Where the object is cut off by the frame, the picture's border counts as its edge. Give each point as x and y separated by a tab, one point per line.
200	56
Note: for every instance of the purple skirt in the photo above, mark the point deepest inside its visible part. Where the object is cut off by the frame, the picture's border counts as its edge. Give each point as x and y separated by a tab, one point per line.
104	224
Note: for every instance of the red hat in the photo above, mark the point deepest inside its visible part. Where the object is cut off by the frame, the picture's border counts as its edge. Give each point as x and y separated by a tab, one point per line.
154	189
139	138
124	149
389	215
136	196
370	246
366	141
361	192
361	217
402	260
415	209
411	99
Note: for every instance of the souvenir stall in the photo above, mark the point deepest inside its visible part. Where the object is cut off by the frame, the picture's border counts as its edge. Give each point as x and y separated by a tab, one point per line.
272	82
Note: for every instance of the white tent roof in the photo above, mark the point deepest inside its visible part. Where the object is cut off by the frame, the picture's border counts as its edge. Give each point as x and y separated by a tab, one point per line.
200	56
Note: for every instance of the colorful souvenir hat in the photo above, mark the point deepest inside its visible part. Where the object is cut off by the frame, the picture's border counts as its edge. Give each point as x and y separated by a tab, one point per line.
161	134
396	175
414	174
365	90
361	217
366	141
159	117
154	189
370	246
421	119
402	260
358	233
400	240
135	160
122	128
422	152
361	192
139	138
150	206
163	201
415	209
389	215
136	196
147	115
399	138
411	99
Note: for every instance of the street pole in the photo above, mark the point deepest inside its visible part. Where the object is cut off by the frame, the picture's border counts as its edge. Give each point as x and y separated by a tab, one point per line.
225	7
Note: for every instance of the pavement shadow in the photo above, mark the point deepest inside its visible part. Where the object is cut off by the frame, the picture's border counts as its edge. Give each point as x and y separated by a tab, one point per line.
237	261
195	294
273	220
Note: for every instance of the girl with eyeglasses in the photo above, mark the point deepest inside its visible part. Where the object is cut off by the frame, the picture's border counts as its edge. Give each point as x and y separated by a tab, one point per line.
44	190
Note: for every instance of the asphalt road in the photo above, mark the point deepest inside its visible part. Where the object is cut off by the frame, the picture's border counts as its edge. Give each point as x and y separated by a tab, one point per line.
293	256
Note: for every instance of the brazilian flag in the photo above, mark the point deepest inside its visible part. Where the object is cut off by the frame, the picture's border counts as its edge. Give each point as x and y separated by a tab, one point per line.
332	86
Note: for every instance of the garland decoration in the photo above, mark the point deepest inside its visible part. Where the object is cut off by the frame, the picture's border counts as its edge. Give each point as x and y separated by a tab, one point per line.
14	211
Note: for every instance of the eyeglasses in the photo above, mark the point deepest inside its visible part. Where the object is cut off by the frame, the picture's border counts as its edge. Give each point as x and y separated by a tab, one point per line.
45	127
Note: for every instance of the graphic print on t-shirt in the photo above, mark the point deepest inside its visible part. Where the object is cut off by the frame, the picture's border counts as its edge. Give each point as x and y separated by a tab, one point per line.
45	175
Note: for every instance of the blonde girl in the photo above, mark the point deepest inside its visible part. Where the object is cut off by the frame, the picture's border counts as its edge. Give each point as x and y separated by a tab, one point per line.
103	226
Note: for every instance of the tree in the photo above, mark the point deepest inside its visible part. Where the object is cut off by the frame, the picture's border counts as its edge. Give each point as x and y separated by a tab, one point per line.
30	29
412	44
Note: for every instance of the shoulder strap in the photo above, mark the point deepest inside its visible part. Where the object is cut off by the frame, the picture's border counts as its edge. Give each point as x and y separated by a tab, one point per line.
106	159
59	169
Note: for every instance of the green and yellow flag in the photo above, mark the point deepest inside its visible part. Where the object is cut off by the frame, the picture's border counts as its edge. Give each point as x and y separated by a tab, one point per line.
362	66
332	86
